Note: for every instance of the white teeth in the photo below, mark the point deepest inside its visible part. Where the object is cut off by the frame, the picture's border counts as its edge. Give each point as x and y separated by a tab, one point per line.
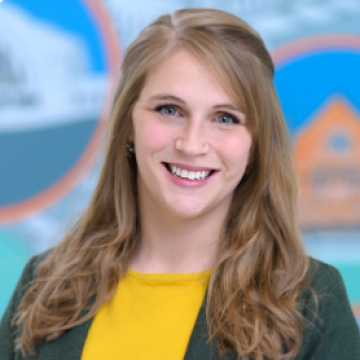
184	173
191	175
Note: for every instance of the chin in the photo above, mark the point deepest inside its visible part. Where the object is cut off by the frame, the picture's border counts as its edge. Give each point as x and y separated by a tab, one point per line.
188	212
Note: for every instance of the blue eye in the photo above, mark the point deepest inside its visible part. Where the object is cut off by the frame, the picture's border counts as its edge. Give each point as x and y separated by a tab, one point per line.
227	119
168	110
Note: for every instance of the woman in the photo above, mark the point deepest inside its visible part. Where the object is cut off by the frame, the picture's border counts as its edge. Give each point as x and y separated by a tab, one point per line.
197	195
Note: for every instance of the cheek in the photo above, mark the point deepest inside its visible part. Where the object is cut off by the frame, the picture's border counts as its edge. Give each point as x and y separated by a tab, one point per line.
236	153
154	136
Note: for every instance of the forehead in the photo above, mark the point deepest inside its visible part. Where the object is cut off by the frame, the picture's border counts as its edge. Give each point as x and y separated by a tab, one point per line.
185	75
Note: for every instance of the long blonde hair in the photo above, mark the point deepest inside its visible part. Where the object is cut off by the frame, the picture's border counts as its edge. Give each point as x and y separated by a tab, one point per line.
253	294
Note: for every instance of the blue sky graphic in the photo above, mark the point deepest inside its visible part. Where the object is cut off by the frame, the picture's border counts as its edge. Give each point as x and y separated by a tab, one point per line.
308	82
72	16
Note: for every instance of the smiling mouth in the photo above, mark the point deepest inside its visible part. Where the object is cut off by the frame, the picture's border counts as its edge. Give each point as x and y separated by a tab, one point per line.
188	174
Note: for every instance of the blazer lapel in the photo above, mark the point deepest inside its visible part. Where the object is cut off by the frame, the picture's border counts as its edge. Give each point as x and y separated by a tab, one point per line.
199	348
70	345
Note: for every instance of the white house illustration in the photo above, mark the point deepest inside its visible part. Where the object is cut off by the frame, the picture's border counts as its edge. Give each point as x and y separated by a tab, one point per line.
45	75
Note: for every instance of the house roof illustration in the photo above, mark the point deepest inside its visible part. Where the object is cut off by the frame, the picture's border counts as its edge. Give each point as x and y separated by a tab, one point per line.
327	158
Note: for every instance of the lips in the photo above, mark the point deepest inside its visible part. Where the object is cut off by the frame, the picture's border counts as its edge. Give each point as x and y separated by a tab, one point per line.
188	172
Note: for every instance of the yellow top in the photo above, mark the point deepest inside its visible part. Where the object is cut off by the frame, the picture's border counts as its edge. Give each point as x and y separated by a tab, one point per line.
151	316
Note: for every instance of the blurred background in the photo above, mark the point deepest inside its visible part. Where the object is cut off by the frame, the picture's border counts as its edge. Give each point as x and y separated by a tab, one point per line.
58	66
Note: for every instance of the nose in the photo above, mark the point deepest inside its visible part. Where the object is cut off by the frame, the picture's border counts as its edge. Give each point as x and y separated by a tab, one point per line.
192	139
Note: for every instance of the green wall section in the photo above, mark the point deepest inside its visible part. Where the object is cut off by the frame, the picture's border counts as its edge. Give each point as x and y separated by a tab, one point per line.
13	258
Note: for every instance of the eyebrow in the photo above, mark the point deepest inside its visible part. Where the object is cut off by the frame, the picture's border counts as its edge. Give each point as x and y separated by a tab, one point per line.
167	97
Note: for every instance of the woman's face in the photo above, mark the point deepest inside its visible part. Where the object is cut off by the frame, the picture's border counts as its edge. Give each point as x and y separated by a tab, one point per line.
191	140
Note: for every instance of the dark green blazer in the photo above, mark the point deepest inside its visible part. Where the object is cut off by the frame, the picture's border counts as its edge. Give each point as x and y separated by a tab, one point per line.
332	335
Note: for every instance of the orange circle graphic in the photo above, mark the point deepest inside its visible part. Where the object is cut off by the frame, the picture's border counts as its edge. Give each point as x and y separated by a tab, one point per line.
51	195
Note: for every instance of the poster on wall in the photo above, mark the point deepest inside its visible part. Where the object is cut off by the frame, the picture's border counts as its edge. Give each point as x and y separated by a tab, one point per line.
56	64
322	110
57	68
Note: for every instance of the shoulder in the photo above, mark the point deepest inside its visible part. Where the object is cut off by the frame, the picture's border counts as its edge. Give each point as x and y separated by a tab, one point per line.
8	331
324	277
322	280
30	270
330	328
27	277
326	289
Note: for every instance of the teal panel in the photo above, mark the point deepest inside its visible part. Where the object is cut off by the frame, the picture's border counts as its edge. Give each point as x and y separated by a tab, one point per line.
13	258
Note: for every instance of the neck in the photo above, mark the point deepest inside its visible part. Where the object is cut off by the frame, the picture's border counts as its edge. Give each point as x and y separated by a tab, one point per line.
169	244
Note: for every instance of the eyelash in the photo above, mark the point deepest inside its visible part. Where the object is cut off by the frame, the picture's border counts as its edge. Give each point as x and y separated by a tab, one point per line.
160	107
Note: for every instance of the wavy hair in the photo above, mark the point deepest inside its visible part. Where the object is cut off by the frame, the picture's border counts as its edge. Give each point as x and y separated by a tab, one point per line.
253	301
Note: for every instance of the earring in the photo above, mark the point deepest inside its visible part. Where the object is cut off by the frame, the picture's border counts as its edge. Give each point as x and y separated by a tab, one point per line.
247	169
129	149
